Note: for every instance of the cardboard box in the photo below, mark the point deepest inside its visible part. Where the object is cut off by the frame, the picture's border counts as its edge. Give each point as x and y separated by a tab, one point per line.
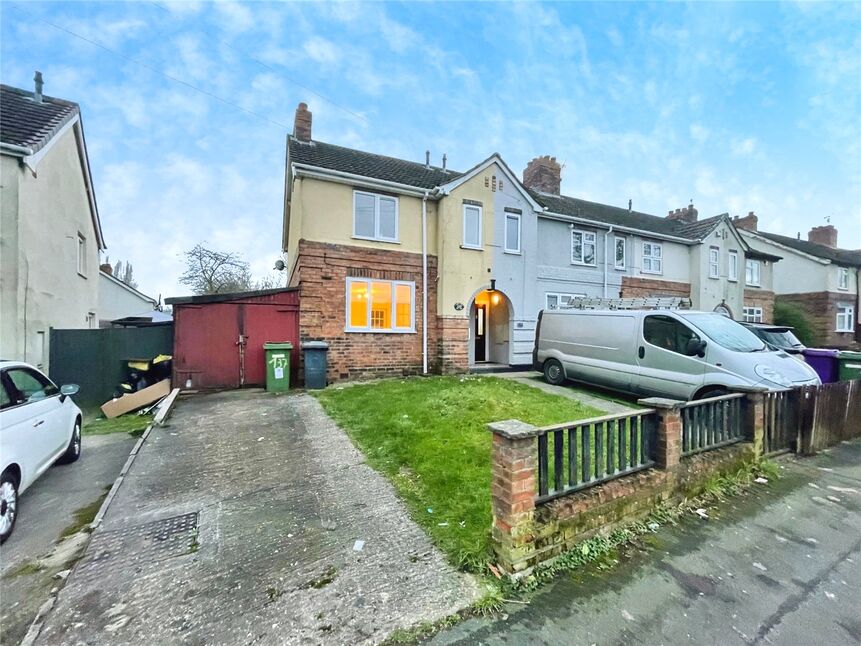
133	401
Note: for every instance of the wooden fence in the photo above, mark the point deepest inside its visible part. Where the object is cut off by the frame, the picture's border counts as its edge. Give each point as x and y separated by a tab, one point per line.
828	414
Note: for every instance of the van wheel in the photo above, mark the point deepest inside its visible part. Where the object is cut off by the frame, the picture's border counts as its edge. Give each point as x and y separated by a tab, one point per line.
553	372
711	392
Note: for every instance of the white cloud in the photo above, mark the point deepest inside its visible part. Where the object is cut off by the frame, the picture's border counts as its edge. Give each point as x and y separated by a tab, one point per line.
744	147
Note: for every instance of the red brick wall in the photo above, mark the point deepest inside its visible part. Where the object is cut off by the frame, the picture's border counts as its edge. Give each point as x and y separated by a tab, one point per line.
821	310
760	298
643	287
321	273
452	344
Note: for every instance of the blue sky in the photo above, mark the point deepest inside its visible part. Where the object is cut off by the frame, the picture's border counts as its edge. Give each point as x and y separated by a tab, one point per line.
740	107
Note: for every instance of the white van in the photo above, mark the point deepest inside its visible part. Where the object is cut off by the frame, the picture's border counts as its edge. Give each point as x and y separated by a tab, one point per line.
680	354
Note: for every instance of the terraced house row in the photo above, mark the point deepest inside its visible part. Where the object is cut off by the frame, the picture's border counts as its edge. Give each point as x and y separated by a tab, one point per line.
406	267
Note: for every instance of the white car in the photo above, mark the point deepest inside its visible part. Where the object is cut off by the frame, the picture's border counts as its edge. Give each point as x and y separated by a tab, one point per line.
39	425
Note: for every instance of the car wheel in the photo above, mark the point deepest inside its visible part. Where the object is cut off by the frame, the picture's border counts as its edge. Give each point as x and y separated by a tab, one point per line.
712	392
553	372
73	451
8	506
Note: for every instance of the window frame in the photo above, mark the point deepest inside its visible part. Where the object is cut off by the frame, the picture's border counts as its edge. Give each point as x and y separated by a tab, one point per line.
583	233
652	258
559	296
82	255
845	311
750	262
714	262
377	197
674	321
507	248
843	278
372	330
616	241
466	245
732	266
751	314
14	392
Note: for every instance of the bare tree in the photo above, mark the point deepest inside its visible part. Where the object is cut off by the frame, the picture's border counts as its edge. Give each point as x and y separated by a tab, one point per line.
215	272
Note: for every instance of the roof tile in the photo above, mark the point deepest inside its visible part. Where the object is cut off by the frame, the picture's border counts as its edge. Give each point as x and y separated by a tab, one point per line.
23	122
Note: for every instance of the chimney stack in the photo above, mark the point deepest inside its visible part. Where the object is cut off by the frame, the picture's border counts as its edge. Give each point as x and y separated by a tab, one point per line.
748	222
824	235
543	174
302	123
687	214
106	268
37	95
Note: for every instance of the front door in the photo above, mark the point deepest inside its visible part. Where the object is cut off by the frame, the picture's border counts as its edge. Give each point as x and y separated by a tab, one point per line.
480	333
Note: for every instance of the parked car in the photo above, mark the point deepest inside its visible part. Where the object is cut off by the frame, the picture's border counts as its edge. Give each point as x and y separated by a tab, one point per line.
680	354
39	425
779	337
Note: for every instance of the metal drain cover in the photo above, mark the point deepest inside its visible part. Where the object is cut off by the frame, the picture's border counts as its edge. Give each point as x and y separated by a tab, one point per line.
137	546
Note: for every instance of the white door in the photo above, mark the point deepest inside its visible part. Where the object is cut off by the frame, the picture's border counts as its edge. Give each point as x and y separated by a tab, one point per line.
664	367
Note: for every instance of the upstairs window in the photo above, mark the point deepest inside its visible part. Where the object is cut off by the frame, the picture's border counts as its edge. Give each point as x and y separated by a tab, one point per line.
732	266
842	278
653	258
512	232
582	248
619	246
82	255
472	226
714	262
375	217
751	275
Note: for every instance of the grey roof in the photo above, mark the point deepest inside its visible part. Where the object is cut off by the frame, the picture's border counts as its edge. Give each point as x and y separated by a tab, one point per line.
23	122
348	160
840	256
700	229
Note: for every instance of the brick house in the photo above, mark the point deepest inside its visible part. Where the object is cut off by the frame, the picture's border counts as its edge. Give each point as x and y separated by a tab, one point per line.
816	275
406	267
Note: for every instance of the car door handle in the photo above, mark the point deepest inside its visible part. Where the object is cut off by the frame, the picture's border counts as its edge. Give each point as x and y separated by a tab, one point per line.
39	423
641	352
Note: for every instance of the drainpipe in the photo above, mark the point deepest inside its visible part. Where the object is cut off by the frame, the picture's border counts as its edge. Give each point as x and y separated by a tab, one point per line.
606	258
857	304
425	283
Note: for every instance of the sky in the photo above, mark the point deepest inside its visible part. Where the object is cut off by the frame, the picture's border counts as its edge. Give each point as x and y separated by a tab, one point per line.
187	105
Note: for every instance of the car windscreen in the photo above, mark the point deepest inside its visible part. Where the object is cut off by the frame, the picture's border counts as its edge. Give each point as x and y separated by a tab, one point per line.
726	332
781	339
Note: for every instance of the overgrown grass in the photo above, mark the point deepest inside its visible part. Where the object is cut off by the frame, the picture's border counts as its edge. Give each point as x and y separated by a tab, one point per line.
84	516
429	436
131	423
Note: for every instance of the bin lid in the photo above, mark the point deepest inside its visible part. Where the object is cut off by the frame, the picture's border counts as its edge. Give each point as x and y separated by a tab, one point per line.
282	345
315	345
850	355
820	352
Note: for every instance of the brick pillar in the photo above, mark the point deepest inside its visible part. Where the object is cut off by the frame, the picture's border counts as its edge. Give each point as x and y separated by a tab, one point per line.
514	465
668	445
754	421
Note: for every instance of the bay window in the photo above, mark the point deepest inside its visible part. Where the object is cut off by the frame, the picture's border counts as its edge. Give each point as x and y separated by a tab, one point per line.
380	305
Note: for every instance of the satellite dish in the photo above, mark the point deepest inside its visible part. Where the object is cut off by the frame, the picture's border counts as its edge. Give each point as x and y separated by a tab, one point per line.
279	265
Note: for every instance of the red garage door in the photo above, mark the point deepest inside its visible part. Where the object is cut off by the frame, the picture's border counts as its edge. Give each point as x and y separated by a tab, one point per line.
218	339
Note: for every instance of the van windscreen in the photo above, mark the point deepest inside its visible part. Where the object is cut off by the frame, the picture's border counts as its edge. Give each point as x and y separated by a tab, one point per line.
727	333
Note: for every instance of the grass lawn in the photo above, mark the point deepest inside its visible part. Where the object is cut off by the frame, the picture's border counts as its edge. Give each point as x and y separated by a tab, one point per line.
429	436
132	423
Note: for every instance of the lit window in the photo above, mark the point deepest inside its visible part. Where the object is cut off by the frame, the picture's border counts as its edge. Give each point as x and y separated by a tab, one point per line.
751	276
620	253
380	306
582	248
842	278
714	262
752	314
732	267
375	217
82	254
472	226
845	317
653	258
512	232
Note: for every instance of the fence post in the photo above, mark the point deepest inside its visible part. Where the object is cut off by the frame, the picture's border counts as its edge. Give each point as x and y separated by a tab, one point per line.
754	422
668	445
513	495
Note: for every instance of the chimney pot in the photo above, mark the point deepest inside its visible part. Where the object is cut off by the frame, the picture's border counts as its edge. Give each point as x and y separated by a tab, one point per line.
444	160
749	222
824	235
37	78
302	123
543	174
427	159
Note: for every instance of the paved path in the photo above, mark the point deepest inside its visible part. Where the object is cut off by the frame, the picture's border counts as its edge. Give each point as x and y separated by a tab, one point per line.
781	565
47	508
274	555
610	402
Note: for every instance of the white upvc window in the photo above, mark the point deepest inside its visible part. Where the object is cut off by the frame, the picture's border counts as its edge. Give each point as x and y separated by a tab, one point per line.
619	261
555	300
752	314
653	258
732	266
472	226
752	272
82	255
375	217
583	247
842	278
845	317
512	232
714	262
380	305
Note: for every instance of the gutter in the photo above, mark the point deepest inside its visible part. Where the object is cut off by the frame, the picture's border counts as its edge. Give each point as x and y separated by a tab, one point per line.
603	225
15	150
606	258
352	179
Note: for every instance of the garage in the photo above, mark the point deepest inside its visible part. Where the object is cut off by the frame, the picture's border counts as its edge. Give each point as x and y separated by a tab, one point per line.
218	338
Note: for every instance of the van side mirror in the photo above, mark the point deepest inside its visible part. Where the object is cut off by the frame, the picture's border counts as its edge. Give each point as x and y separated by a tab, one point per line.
695	347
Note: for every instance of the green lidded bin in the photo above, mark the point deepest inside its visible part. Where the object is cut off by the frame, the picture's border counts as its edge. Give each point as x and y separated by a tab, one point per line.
849	365
277	366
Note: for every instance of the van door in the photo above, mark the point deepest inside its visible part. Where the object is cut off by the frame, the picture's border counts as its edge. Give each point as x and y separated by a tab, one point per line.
663	367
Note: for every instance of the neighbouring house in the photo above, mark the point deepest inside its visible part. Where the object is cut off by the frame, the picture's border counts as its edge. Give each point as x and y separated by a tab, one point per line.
50	236
119	300
406	267
817	276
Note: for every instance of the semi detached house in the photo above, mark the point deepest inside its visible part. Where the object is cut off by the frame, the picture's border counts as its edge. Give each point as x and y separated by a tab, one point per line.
406	267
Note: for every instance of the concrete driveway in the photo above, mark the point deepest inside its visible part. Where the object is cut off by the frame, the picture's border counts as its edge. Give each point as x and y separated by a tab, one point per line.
780	565
251	518
47	508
